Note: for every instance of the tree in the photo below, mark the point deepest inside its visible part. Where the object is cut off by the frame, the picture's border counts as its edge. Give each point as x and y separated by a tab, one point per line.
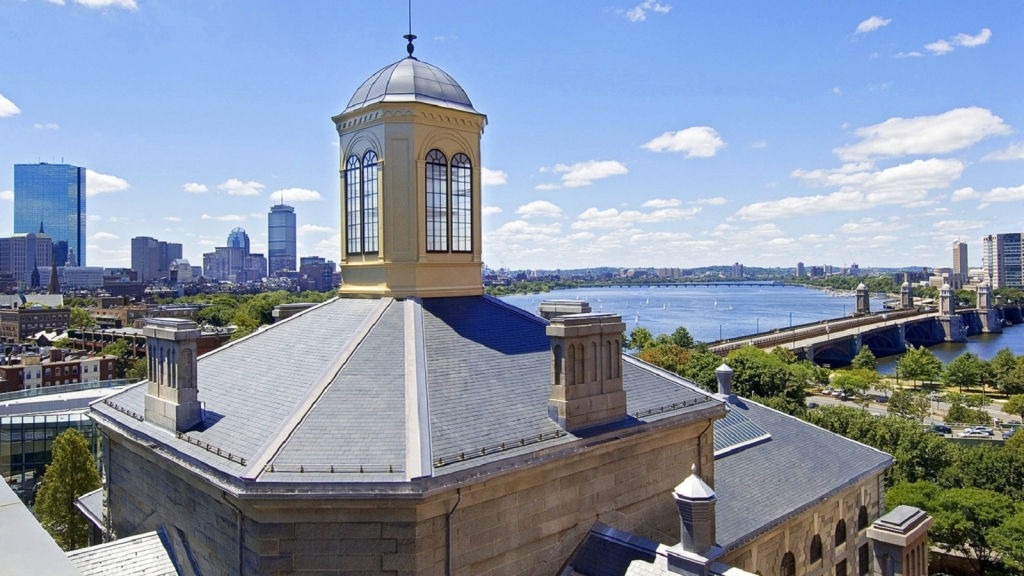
138	369
1014	383
1008	539
910	404
1002	365
919	364
123	352
640	339
81	319
851	382
762	374
71	473
1015	405
965	371
865	359
966	520
681	337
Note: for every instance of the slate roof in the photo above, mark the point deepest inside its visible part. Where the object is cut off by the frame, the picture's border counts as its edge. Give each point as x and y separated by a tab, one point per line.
141	555
378	390
762	484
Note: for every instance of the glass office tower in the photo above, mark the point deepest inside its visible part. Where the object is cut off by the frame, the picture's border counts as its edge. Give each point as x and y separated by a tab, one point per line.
281	238
52	195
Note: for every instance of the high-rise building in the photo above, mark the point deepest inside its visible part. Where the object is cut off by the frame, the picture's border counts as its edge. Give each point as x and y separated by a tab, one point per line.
152	258
960	261
52	195
22	257
1001	259
281	238
239	239
234	263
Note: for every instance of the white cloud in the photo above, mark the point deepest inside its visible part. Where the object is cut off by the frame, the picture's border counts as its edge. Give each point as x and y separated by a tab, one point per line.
872	24
7	195
638	13
127	4
315	229
490	210
1013	152
968	41
939	134
521	230
660	203
224	218
998	194
837	91
872	226
939	47
46	126
493	177
612	219
696	141
714	201
911	54
584	173
8	108
296	195
105	236
955	226
236	187
539	209
172	219
96	183
94	217
194	188
759	144
861	187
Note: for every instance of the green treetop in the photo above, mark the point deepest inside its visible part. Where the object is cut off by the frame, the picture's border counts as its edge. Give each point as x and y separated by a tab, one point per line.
71	474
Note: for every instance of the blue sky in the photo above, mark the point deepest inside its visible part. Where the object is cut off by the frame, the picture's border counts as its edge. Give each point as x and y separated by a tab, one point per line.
619	133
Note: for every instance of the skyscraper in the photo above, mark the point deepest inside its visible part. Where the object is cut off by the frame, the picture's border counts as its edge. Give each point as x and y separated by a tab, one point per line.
281	238
239	239
1001	255
152	258
959	263
52	195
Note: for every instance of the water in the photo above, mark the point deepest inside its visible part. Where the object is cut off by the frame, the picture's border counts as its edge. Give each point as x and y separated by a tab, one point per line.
712	312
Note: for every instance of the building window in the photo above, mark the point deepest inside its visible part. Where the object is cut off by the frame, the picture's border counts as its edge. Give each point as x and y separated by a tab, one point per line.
862	518
437	202
815	552
369	202
449	207
841	568
361	216
462	204
788	565
863	561
840	532
353	215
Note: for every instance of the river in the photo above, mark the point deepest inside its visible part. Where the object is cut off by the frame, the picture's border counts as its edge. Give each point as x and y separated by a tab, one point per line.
711	312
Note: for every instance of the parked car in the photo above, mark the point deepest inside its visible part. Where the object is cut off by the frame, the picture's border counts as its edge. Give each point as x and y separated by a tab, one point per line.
1008	433
971	433
812	405
941	429
882	398
984	430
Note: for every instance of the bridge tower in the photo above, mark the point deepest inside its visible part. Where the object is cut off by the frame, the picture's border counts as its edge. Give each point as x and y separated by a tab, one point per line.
863	300
951	322
990	320
906	296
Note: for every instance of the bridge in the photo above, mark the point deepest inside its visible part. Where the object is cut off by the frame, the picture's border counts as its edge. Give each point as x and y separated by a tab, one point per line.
837	341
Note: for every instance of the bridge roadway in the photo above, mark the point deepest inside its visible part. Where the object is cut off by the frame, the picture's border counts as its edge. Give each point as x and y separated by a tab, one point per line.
805	337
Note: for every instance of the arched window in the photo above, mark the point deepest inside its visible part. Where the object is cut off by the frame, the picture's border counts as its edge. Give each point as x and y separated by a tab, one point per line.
449	207
840	532
369	202
862	518
437	202
788	565
815	551
462	204
353	209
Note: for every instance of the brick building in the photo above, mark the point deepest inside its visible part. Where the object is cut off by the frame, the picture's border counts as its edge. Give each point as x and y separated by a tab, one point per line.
18	324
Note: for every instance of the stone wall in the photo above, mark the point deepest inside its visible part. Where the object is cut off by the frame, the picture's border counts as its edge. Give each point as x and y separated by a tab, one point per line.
764	555
526	520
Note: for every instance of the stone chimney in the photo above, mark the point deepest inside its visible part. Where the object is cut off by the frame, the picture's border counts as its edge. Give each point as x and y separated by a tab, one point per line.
696	550
900	542
586	370
172	393
549	309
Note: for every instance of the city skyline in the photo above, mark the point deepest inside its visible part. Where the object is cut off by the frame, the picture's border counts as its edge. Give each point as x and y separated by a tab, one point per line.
630	134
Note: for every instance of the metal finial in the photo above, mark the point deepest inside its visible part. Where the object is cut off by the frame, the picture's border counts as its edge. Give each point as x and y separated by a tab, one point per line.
409	47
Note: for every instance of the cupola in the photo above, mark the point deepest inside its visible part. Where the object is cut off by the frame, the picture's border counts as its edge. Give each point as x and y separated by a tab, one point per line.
410	185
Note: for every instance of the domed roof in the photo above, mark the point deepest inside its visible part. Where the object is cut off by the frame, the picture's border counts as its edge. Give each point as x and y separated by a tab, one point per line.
411	80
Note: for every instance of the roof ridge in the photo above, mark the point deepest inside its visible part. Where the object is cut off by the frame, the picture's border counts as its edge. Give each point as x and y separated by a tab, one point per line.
315	392
264	328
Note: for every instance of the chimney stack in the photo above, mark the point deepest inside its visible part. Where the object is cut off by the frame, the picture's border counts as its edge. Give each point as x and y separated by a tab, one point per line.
724	374
586	370
171	393
696	550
